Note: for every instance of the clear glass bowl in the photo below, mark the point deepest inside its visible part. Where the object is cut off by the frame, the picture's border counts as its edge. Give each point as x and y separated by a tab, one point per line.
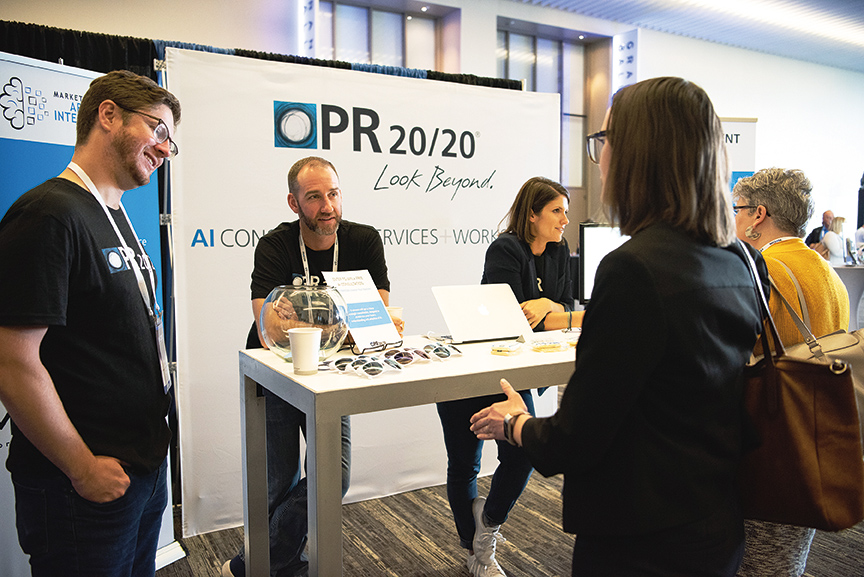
287	307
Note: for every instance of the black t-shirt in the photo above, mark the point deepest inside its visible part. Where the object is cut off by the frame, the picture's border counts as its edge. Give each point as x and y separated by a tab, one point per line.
60	266
278	260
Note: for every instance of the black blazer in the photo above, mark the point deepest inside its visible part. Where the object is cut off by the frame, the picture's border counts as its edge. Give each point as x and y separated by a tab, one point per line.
649	431
510	260
814	236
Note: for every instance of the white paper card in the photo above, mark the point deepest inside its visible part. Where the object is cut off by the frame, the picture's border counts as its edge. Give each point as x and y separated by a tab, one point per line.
368	321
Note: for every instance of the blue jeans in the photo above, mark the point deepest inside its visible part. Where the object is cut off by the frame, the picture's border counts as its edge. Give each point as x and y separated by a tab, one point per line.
286	491
464	451
66	535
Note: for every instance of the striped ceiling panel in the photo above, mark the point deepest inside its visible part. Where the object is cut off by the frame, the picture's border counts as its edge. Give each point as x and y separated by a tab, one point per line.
829	32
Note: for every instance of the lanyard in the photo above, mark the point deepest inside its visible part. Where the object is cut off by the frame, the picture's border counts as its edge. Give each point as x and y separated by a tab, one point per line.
306	278
131	262
776	240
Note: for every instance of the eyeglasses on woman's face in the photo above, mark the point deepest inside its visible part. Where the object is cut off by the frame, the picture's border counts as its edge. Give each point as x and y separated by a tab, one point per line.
595	144
736	208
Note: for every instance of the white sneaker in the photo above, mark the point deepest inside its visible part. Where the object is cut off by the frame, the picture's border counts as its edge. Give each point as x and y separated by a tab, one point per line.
471	563
485	539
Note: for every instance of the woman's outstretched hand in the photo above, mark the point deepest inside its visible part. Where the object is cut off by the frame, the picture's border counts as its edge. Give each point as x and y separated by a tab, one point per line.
488	423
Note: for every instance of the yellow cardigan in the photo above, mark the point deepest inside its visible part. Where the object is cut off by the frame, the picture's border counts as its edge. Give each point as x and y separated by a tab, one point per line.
824	292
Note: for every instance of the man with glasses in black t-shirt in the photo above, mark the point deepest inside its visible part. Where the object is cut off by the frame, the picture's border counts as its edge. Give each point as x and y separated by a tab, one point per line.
83	370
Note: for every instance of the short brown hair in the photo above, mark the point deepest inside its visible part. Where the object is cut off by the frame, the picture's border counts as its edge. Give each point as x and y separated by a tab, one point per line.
535	194
127	90
668	161
294	172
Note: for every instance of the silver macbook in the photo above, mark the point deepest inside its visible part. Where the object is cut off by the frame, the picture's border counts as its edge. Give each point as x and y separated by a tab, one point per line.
483	312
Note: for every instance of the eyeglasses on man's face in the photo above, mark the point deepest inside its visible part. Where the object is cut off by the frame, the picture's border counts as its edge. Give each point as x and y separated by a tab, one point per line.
160	131
595	144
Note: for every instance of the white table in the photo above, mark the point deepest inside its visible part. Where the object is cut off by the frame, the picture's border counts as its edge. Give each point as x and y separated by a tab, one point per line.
327	396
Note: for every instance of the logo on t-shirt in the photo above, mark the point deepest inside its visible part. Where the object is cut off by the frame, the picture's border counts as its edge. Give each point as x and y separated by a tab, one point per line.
114	258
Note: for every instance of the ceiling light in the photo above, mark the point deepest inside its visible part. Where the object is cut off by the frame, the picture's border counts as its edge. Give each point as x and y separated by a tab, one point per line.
778	14
424	9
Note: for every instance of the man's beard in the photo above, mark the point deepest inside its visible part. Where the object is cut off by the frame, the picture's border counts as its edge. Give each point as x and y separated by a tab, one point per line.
317	228
125	146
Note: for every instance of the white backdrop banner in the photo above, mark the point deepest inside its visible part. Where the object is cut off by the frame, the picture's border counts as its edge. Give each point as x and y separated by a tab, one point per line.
39	103
434	166
740	138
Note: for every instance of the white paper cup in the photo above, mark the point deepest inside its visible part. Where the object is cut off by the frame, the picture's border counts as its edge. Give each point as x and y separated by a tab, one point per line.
394	312
305	344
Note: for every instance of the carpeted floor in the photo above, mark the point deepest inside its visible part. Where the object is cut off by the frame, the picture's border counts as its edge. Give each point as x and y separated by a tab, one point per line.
412	535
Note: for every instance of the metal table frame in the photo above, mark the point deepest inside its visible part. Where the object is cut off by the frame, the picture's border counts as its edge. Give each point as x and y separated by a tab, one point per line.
326	397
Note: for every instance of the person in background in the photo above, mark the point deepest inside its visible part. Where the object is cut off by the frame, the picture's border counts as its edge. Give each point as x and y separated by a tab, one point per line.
772	208
319	240
83	368
817	233
531	256
836	242
649	431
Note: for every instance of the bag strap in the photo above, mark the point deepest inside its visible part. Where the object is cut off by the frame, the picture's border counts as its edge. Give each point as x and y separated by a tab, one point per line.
802	302
768	321
811	341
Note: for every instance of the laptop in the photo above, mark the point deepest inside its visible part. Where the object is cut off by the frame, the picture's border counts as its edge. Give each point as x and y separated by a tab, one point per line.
482	312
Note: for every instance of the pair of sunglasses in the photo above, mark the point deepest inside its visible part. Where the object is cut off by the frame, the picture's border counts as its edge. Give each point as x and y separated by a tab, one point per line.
364	365
406	356
442	351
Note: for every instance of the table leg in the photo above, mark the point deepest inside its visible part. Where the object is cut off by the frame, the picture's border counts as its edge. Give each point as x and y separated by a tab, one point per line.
324	468
253	427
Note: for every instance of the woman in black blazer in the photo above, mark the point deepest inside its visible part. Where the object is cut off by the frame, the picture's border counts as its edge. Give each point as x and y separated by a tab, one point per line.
531	254
649	431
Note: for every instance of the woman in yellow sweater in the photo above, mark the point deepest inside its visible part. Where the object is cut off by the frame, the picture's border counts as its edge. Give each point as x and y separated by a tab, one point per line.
772	209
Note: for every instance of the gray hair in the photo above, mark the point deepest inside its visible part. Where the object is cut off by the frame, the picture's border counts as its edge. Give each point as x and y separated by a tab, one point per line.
785	193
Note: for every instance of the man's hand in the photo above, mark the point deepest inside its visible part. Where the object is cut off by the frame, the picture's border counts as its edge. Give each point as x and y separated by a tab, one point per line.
284	309
103	481
28	393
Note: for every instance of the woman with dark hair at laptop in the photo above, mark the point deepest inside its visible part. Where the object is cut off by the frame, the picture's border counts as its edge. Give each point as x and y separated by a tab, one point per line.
648	434
531	256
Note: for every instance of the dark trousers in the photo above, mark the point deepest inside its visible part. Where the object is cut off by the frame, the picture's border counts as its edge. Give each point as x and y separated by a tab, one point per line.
68	536
710	547
287	491
464	451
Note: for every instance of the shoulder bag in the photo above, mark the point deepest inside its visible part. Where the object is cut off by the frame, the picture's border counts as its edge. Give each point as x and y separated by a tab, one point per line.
848	347
807	469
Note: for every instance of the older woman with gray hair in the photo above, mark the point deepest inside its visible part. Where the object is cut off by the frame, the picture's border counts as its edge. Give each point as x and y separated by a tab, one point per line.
772	208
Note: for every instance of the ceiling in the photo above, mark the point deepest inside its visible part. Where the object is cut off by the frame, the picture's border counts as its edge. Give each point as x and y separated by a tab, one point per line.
828	32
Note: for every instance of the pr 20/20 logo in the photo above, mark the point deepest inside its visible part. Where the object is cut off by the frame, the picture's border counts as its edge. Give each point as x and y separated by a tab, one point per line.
296	126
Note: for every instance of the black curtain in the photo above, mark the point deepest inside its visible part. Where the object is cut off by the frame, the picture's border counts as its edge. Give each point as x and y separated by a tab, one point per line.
475	80
88	50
